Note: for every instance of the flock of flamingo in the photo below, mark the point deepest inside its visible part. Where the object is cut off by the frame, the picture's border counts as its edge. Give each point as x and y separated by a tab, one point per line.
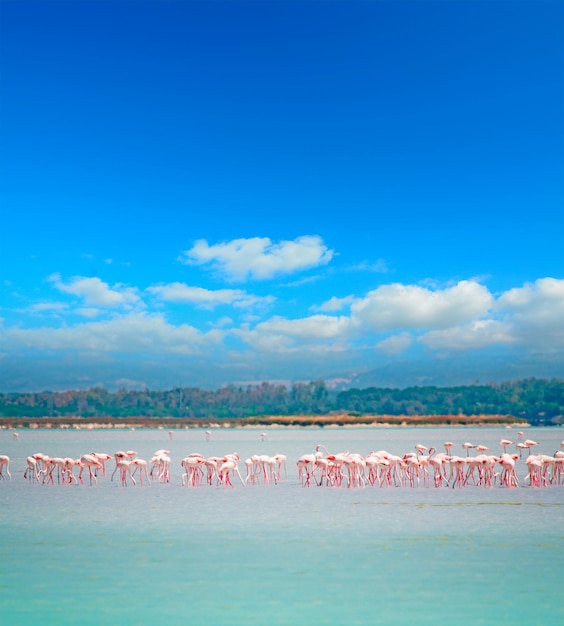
428	467
424	467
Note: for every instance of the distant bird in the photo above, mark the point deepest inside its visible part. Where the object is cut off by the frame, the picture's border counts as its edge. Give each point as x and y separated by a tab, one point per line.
448	445
504	443
208	435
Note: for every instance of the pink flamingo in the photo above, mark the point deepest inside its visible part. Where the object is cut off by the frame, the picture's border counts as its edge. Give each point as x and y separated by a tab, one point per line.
124	469
534	465
281	461
160	463
5	462
305	466
192	470
228	466
120	455
520	445
141	466
90	462
529	443
32	471
102	457
468	446
508	476
504	443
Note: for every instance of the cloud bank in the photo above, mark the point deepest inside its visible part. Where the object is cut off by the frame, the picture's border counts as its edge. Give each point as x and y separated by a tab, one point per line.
235	328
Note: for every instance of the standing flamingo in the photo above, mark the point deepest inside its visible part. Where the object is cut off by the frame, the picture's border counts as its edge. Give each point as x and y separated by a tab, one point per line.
102	457
141	466
281	461
228	466
468	446
504	443
5	462
305	466
91	462
32	469
529	443
125	469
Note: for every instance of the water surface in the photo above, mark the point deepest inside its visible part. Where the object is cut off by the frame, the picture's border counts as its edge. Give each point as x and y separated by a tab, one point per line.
276	554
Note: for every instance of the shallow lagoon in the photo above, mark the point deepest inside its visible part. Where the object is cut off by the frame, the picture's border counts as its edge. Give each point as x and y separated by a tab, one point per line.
277	554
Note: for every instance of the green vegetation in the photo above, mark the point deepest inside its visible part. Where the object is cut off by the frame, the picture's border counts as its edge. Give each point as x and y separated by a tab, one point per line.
538	401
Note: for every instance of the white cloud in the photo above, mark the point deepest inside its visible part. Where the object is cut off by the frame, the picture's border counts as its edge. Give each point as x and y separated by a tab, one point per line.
336	304
472	336
128	334
396	306
222	322
395	344
280	333
531	316
180	292
259	257
541	301
535	313
95	292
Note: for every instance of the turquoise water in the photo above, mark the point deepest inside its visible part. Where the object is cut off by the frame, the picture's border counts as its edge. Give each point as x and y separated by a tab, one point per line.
276	554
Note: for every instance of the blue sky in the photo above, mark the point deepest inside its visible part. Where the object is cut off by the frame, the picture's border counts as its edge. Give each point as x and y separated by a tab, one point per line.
204	193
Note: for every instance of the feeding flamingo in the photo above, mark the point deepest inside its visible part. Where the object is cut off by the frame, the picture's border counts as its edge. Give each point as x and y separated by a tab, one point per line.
5	462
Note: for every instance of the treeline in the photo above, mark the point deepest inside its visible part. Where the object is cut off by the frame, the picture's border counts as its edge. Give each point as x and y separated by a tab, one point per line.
538	401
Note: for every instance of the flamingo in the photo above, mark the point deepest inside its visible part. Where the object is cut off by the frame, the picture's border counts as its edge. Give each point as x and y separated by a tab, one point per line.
120	455
91	462
141	466
305	466
281	460
5	462
193	472
32	471
529	443
125	469
448	445
468	446
102	457
230	465
504	443
508	477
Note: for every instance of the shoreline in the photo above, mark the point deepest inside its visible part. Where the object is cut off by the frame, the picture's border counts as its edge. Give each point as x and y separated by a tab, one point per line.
277	421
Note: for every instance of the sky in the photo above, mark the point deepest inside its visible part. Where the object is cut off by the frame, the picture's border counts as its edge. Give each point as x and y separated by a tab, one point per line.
209	193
